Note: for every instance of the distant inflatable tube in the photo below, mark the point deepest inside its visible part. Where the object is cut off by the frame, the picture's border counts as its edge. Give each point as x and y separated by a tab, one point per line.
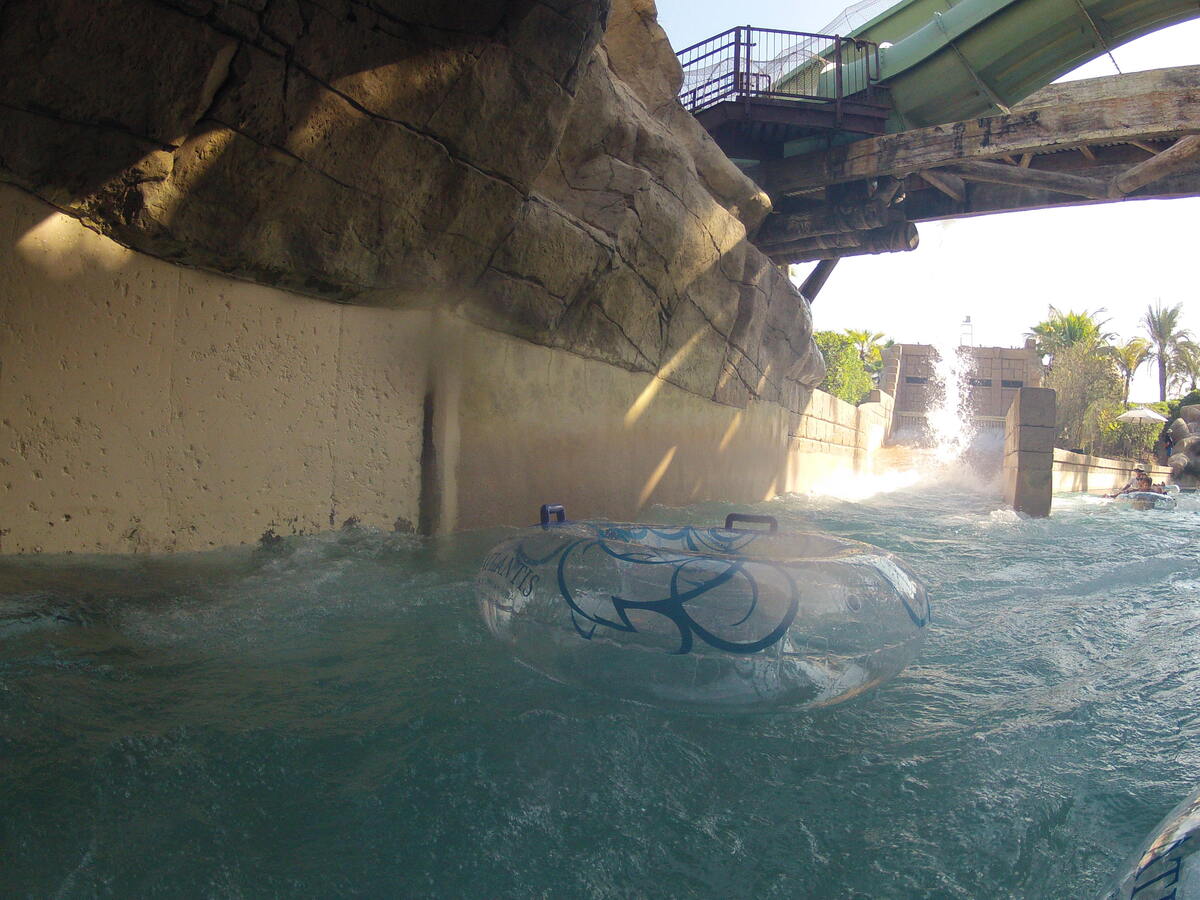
1146	500
711	619
1166	865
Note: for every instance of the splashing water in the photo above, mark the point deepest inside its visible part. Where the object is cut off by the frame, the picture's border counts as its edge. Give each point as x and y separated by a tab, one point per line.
901	468
329	717
949	415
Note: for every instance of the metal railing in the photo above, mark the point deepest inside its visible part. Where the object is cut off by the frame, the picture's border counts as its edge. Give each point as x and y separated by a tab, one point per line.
746	62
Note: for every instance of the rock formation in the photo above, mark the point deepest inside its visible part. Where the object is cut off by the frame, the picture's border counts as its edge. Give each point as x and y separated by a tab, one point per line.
1185	455
522	164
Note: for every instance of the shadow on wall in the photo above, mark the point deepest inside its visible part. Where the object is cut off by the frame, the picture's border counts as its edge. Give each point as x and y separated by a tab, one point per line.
432	162
393	162
144	406
321	152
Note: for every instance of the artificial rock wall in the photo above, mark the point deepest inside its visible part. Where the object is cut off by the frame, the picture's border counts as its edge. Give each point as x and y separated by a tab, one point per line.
493	159
468	247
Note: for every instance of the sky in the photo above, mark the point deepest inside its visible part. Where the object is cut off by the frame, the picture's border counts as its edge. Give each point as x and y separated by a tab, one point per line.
1005	270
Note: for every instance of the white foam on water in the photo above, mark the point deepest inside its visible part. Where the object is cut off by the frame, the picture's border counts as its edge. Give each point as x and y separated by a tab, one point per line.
859	487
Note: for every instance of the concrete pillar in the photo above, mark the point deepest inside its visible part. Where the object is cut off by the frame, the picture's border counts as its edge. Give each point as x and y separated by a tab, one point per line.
1029	451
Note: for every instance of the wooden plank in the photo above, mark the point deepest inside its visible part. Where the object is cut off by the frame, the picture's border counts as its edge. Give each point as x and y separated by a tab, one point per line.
889	239
949	184
989	198
1164	108
783	228
1064	183
888	189
1180	155
1109	87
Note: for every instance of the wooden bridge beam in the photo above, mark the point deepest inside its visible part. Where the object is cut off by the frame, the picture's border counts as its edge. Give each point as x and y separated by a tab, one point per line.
949	184
1179	156
889	239
785	228
987	198
1143	106
1062	182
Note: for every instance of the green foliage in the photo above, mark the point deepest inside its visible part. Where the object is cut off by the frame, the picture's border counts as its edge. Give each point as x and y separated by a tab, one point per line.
1128	439
846	376
1172	408
1185	364
1061	330
1129	357
870	350
1091	395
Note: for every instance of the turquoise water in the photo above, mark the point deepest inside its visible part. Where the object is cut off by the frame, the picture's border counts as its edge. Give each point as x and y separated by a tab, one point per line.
330	718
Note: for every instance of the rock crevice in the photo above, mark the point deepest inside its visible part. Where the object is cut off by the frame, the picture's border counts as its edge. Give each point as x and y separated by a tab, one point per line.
525	164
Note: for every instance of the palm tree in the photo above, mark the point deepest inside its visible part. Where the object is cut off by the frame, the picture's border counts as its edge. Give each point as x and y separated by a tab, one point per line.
867	342
1186	363
1165	335
1129	357
870	351
1061	329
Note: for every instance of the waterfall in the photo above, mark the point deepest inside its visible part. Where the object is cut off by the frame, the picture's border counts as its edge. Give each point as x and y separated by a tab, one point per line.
949	413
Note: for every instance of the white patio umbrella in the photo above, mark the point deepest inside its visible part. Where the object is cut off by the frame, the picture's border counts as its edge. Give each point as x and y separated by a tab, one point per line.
1141	414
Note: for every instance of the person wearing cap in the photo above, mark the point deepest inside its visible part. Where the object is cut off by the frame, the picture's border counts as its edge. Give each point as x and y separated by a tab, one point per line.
1139	482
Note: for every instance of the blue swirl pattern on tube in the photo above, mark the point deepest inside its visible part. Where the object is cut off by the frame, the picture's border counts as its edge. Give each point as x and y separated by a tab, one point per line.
709	619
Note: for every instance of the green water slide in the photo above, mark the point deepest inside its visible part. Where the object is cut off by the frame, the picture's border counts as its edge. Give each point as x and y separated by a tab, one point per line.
950	60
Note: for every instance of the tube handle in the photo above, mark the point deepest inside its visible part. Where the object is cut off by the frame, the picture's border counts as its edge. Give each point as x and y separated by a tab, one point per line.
770	521
553	509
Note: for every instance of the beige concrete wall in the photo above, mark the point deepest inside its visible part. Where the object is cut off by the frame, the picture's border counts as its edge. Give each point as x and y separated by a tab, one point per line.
147	407
1079	472
535	425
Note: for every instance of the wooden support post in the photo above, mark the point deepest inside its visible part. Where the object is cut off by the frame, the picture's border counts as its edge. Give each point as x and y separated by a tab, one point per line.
1178	156
816	279
784	228
949	184
889	191
890	239
998	173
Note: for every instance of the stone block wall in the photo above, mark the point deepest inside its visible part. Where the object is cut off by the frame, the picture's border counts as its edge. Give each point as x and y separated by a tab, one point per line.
829	438
997	373
889	378
1029	451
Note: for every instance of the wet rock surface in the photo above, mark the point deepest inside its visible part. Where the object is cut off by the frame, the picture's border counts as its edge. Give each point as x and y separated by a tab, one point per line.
522	164
1185	453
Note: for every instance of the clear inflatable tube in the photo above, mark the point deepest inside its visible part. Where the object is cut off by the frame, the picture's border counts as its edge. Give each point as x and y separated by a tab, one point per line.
1166	865
716	619
1147	500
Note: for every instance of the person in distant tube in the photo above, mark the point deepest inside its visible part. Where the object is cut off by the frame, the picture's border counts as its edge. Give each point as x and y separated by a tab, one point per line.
1131	484
1139	483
